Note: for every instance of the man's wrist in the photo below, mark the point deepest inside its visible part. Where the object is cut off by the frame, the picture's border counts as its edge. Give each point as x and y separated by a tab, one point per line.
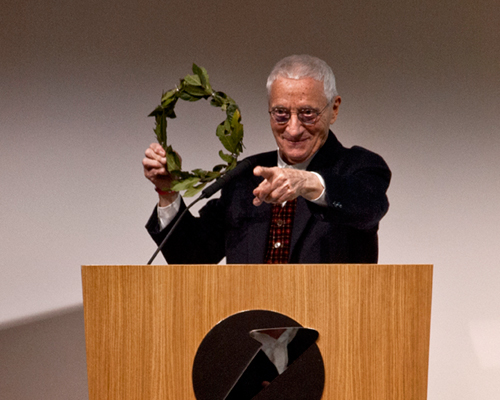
167	213
164	192
166	197
321	198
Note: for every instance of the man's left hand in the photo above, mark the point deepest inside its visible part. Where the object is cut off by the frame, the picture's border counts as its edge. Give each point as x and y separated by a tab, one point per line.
284	184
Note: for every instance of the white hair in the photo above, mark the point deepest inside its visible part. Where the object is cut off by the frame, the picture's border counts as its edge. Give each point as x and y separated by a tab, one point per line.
304	66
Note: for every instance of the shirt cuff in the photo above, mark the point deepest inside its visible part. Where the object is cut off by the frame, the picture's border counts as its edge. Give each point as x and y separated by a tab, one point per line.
321	200
167	214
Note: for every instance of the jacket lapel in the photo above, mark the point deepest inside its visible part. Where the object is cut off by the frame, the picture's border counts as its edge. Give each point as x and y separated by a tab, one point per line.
302	216
259	228
323	157
257	235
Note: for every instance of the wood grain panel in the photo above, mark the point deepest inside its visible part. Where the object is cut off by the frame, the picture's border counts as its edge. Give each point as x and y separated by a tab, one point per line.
144	323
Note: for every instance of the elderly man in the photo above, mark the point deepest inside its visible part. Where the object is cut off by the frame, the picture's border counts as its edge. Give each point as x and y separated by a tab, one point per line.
311	201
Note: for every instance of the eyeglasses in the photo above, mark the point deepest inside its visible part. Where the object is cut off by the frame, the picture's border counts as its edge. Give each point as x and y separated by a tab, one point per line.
307	116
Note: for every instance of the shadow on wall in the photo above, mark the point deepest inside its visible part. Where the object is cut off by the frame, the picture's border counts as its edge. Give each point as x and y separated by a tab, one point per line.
45	359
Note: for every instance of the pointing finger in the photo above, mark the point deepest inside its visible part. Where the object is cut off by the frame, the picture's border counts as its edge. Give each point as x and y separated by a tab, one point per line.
265	172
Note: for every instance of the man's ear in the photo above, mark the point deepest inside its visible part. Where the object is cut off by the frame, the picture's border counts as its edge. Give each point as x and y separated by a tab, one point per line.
336	104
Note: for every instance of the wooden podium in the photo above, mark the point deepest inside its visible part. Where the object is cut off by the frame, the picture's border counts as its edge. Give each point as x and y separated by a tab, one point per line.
144	324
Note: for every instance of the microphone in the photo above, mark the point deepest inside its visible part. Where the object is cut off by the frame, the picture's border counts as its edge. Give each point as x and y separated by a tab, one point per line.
242	167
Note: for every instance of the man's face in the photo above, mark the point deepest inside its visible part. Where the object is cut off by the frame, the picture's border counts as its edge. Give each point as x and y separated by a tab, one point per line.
296	141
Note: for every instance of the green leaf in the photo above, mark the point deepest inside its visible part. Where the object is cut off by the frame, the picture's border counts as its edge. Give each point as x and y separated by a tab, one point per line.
157	111
237	132
170	98
211	175
217	102
221	130
188	97
228	140
180	175
232	165
161	129
219	167
203	75
193	80
226	157
196	91
231	110
222	95
173	160
194	190
185	184
170	113
201	173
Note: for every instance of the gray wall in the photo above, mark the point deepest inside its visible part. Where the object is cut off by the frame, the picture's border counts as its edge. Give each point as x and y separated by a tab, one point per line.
420	84
44	358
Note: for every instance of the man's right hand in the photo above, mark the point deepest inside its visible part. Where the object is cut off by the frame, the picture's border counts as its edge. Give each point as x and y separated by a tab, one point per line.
155	169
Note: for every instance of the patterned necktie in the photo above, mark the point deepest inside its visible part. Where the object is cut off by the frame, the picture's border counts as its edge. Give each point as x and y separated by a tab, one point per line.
280	232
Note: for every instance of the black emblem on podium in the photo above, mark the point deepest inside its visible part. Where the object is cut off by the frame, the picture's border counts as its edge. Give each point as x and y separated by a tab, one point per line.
259	355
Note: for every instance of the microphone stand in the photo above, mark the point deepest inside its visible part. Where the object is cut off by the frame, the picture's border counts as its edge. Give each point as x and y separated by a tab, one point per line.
206	193
173	228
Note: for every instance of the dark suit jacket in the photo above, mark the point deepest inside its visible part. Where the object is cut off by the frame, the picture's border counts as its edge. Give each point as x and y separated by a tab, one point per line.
343	232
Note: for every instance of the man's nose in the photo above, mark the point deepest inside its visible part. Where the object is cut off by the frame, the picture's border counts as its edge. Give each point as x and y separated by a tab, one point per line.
294	126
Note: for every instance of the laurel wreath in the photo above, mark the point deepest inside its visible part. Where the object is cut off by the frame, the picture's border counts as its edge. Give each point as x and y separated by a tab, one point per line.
230	131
